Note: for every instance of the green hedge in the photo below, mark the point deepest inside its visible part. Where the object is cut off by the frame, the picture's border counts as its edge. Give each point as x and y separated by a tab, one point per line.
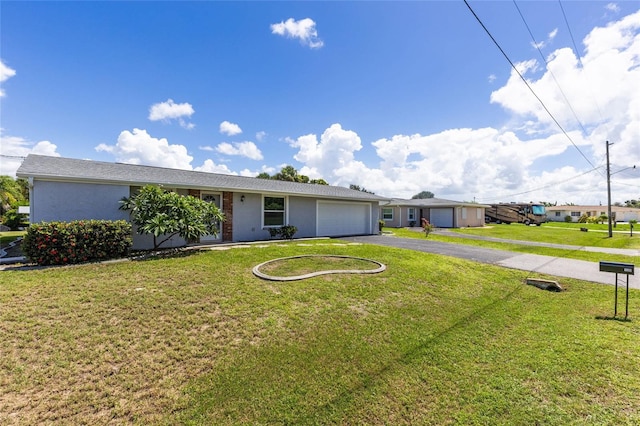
61	243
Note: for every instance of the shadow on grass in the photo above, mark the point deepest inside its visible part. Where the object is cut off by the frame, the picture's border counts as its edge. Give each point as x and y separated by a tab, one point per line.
411	355
372	378
600	317
137	256
171	253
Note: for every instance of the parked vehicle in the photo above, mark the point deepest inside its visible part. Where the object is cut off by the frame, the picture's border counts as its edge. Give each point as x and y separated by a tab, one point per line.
527	213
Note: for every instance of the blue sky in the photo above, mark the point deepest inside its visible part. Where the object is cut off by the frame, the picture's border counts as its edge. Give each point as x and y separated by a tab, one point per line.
398	97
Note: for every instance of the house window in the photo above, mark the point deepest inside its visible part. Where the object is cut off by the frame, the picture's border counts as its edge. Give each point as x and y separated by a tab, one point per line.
479	214
464	213
575	214
387	213
273	211
411	216
557	214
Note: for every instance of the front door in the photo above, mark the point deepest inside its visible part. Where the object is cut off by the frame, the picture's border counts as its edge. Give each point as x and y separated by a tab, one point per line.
216	198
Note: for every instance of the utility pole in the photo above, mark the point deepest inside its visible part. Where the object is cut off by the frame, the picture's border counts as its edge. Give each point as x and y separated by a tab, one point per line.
609	191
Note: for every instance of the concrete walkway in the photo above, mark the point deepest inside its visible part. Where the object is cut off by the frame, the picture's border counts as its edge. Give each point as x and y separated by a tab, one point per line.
555	266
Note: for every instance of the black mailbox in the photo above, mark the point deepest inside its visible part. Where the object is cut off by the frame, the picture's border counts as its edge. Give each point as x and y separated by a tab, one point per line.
617	267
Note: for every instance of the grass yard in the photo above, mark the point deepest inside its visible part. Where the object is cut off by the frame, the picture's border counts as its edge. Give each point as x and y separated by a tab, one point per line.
7	237
541	234
561	233
199	340
602	227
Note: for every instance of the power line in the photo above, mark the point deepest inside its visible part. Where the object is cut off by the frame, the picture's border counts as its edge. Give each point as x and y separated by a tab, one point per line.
575	48
527	84
545	186
617	182
573	40
537	46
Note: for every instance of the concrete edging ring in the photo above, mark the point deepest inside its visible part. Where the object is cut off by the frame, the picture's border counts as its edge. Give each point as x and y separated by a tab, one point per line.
256	269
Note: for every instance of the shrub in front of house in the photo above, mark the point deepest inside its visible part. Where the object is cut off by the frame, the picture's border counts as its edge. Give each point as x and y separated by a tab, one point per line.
427	227
61	243
286	232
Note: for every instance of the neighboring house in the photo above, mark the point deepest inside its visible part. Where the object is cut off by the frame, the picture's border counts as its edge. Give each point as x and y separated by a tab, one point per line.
619	214
64	189
399	213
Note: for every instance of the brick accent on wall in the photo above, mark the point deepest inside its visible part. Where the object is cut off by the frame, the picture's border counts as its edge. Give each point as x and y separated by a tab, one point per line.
227	209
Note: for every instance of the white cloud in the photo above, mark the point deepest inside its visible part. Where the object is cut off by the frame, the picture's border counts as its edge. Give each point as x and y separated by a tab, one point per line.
335	148
261	135
210	167
538	45
304	30
169	110
461	160
230	129
550	37
186	124
542	44
138	147
603	93
612	7
206	148
243	149
14	149
5	74
490	164
254	173
461	164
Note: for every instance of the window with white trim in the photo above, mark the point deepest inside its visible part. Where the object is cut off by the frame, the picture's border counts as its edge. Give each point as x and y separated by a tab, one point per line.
558	214
464	213
411	214
576	214
273	211
387	213
479	213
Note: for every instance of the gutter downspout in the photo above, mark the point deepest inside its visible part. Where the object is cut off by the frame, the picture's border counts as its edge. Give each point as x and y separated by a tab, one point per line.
31	200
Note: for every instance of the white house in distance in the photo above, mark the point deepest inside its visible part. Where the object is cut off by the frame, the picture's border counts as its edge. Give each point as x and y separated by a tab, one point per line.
619	214
65	189
398	213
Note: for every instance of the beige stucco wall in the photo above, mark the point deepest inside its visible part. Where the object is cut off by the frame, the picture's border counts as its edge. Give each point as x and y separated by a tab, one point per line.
469	217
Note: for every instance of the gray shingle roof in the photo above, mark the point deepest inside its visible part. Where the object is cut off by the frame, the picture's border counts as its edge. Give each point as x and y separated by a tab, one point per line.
69	169
429	202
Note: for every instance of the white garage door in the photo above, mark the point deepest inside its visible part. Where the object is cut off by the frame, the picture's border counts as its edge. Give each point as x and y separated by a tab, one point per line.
442	218
335	219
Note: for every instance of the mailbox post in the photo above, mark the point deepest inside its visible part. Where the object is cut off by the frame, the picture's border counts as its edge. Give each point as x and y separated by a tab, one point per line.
619	268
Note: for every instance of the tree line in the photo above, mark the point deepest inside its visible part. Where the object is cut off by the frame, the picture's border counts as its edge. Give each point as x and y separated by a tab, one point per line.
13	193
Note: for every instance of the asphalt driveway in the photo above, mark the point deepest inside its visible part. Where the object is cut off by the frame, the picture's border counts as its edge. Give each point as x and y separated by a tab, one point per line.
555	266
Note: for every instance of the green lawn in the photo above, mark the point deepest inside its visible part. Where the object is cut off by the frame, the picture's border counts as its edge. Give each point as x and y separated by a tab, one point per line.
572	237
9	236
561	233
622	227
199	340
